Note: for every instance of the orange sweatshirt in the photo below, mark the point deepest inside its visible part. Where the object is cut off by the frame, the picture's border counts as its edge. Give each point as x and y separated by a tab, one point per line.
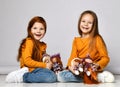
26	58
98	53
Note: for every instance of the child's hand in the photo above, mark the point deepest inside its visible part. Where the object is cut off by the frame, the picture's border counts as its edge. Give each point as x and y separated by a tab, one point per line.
74	64
49	64
46	59
71	69
74	67
88	61
95	67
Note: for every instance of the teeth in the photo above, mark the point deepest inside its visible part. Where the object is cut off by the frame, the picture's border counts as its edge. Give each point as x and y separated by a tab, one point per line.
38	34
86	28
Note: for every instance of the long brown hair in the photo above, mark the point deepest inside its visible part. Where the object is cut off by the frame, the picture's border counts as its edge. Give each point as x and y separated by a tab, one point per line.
36	50
94	32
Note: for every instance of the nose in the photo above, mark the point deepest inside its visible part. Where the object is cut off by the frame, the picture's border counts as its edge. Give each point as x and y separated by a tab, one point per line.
86	23
38	30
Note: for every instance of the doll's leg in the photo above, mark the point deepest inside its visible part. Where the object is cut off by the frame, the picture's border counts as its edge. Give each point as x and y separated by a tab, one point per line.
106	76
67	76
40	75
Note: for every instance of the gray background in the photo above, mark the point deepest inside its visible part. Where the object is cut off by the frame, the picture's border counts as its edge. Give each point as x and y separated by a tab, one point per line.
62	18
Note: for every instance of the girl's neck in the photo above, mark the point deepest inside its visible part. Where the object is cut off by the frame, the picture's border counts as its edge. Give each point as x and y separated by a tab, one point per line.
85	35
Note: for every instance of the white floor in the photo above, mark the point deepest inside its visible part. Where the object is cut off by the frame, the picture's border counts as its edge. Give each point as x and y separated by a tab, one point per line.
4	84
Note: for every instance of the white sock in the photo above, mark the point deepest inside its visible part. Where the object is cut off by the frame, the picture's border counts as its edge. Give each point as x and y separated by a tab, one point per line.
16	76
106	76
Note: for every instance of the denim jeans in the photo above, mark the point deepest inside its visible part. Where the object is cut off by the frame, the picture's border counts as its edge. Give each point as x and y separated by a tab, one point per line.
40	75
68	76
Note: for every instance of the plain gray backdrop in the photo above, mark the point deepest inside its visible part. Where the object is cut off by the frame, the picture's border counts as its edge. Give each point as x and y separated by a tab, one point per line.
62	19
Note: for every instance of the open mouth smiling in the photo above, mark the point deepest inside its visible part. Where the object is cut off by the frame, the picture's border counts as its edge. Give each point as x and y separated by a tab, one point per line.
85	28
38	34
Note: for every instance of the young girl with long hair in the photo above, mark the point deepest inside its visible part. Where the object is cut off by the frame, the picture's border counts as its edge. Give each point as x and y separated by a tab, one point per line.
31	52
90	43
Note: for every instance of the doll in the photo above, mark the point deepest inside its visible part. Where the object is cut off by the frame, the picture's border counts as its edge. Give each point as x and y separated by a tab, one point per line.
79	67
46	58
90	72
86	69
57	63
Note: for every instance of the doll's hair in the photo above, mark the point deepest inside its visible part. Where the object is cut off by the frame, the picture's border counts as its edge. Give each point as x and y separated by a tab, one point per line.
76	60
44	55
57	56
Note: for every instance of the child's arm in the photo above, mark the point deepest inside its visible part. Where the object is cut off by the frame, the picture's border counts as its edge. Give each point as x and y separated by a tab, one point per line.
103	55
27	56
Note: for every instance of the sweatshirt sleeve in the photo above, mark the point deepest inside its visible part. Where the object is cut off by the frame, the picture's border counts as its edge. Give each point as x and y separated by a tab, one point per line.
102	50
27	56
73	52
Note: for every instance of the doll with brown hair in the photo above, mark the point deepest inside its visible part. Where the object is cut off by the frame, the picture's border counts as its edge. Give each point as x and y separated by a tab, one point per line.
78	66
46	58
90	71
86	69
57	63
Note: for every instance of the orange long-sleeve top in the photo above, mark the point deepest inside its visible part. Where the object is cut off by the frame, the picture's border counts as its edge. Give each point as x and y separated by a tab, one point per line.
26	58
80	49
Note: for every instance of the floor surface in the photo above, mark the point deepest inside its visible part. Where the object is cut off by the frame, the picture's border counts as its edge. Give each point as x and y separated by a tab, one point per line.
70	84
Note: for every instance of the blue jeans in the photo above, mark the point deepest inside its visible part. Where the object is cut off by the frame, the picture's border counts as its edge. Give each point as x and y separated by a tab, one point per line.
68	76
40	75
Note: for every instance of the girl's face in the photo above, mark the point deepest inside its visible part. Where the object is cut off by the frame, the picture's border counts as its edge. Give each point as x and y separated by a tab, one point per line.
38	30
86	24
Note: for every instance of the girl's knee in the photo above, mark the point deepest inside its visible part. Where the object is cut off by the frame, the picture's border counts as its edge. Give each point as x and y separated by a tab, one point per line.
48	77
62	76
52	78
25	76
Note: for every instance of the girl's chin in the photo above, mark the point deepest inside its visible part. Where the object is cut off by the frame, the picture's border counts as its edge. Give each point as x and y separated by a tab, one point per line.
85	31
37	38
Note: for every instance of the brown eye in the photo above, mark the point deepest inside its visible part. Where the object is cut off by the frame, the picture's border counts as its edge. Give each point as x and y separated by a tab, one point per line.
83	21
90	22
42	29
34	28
